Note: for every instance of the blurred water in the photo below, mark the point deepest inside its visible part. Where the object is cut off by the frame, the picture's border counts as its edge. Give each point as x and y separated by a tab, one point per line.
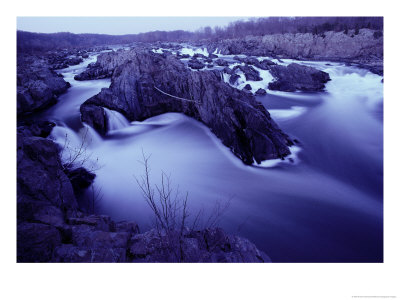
327	206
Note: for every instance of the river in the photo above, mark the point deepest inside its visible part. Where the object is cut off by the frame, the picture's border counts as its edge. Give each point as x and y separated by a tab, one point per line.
325	205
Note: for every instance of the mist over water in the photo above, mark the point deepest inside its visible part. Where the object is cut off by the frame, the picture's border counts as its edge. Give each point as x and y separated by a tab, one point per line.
326	205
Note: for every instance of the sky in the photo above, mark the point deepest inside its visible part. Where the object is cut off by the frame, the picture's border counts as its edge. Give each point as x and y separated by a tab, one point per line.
118	25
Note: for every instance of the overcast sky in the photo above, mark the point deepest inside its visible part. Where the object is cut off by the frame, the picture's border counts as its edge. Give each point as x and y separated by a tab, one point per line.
118	25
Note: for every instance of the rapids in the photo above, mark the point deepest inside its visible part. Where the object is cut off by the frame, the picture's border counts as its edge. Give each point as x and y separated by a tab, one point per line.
323	205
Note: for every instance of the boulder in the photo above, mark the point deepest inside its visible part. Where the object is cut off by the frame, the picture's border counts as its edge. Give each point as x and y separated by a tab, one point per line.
196	64
148	85
261	92
199	55
80	179
125	226
36	128
37	85
40	175
222	63
36	242
95	117
247	60
297	77
247	87
209	245
233	79
249	72
265	64
97	222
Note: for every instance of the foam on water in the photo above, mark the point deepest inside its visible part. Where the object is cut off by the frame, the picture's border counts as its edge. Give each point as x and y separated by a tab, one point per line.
191	51
115	120
283	114
323	198
242	82
290	159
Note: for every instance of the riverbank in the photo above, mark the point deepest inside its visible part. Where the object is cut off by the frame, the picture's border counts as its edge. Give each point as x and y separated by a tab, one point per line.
215	171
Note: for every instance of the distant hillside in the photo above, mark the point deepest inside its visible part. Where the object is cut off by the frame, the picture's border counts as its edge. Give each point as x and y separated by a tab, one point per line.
31	42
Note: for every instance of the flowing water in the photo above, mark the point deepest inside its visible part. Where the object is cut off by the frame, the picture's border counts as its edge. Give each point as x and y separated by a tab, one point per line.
325	205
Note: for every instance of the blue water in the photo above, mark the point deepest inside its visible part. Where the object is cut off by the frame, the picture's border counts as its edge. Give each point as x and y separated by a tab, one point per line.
325	206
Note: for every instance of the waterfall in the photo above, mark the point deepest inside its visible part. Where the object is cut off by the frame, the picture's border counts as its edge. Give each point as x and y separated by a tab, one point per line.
115	120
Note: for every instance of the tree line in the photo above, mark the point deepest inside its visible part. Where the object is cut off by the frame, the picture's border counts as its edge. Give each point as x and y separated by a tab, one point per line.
28	41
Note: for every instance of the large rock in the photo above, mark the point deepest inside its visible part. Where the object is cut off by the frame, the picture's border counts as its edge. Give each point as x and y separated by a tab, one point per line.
196	64
36	242
40	175
363	48
37	86
104	65
148	85
297	77
80	179
249	72
209	245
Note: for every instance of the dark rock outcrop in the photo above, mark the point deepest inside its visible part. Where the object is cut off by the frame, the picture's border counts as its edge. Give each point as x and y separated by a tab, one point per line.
196	64
148	84
104	66
40	174
261	92
39	128
80	179
265	64
363	49
297	77
36	242
37	85
233	79
247	87
249	72
94	71
52	228
247	60
209	245
222	63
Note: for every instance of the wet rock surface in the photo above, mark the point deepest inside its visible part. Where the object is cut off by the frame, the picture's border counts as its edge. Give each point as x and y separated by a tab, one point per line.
363	49
196	64
249	72
209	245
149	84
104	66
297	77
37	85
52	227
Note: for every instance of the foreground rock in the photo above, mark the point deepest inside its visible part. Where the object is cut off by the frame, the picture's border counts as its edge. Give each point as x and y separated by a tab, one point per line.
148	84
297	77
51	226
37	85
209	245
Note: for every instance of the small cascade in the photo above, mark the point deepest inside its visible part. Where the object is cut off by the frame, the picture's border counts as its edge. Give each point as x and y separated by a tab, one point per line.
76	147
115	120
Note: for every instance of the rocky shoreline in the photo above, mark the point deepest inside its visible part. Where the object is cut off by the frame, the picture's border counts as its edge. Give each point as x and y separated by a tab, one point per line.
54	224
364	49
38	86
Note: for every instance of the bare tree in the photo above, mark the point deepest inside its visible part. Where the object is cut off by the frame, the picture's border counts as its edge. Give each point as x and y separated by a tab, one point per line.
78	156
170	209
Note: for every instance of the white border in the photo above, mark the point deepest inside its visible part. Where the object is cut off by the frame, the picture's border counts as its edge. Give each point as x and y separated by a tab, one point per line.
202	281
